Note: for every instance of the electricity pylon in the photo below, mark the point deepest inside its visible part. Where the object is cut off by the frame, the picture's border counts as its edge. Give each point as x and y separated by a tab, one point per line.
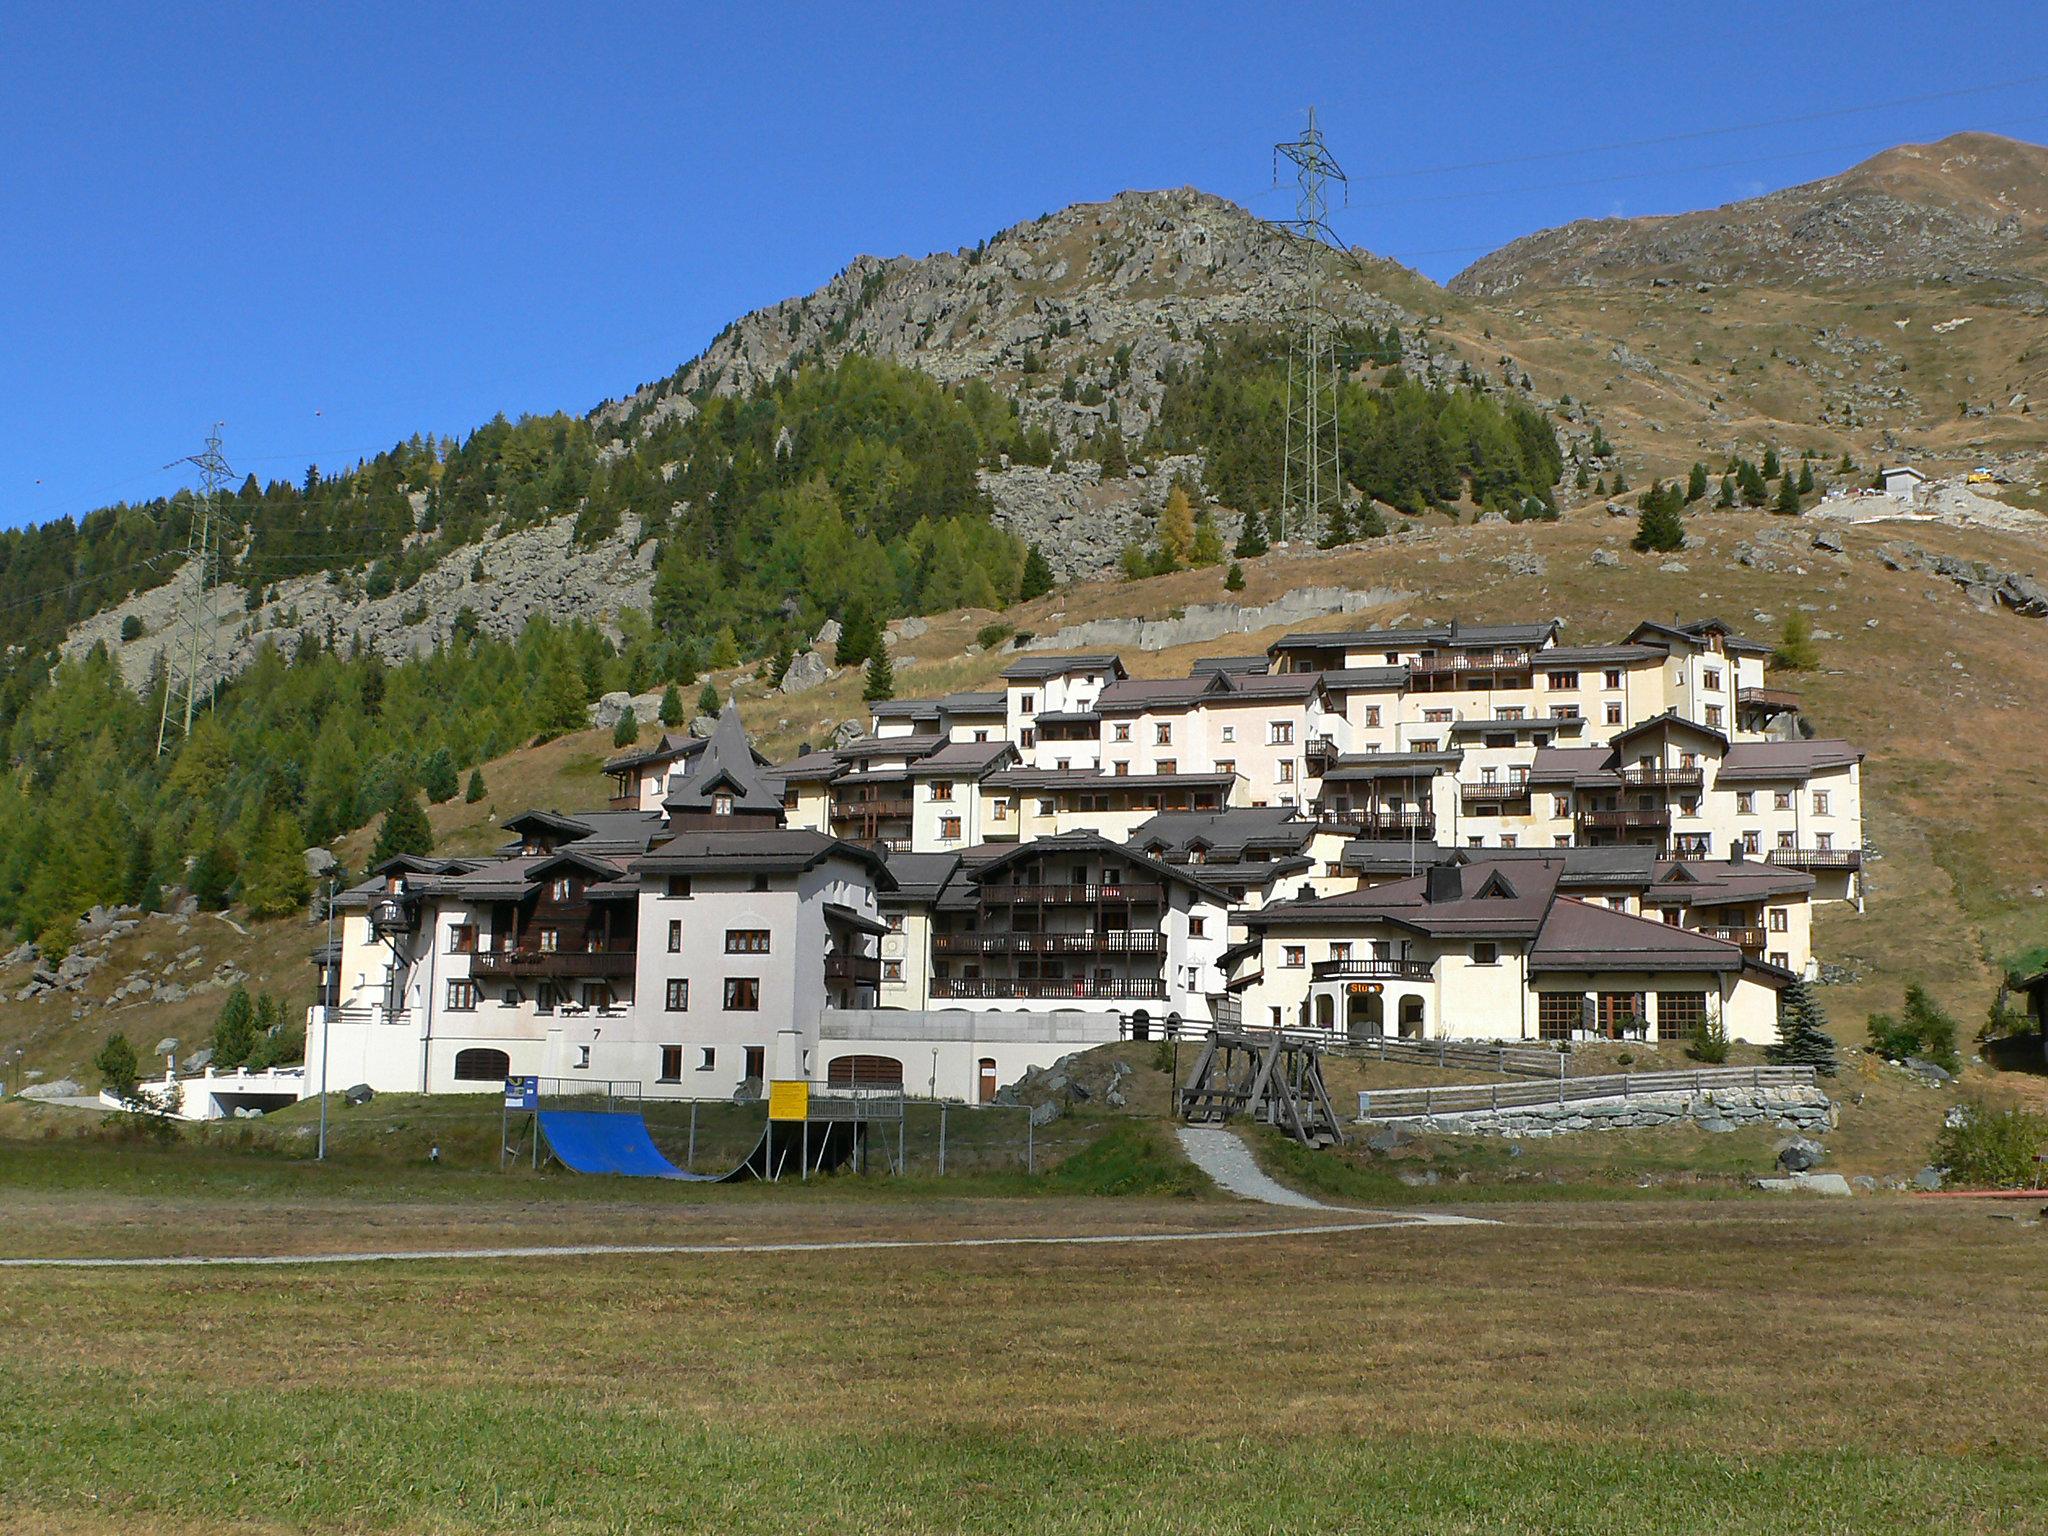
183	679
1312	478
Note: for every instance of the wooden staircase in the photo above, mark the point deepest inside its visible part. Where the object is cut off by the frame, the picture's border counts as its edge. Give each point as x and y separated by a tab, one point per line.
1270	1076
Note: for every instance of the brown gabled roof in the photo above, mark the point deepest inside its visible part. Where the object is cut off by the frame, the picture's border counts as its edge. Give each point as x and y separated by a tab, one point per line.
1578	936
1785	759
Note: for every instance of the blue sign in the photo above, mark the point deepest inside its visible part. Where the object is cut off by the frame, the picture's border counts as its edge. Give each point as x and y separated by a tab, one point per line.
522	1093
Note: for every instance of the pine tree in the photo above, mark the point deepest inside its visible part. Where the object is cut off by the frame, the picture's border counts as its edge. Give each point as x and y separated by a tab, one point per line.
1788	496
1037	579
476	790
234	1031
405	829
1659	526
1372	524
1696	483
1794	651
671	706
1251	538
859	636
627	731
1727	498
1338	530
1110	454
707	699
274	878
213	876
1233	579
437	777
1772	468
120	1071
1803	1038
881	681
1847	465
1620	481
1805	477
1208	546
725	649
1582	480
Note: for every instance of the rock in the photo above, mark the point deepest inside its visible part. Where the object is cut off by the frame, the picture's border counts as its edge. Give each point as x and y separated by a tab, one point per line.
909	627
198	1061
76	966
362	1093
1863	1184
1046	1112
320	863
1928	1178
1606	559
21	954
63	1088
1807	1184
1798	1154
1390	1138
702	726
1675	567
1527	565
1928	1071
1829	543
827	636
1421	1180
166	1046
806	671
608	711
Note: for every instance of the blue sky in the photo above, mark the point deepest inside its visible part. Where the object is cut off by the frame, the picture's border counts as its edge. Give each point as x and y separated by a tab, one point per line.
332	226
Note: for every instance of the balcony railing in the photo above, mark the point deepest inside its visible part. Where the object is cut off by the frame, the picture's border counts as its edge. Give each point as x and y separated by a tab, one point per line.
1469	661
1817	858
1494	794
1140	892
1374	823
552	962
1659	777
860	970
1320	751
1078	989
1370	969
1624	821
1747	938
1115	941
869	810
1769	700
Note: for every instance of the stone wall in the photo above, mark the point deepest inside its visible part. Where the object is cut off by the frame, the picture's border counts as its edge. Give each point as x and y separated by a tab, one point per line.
1807	1110
1200	622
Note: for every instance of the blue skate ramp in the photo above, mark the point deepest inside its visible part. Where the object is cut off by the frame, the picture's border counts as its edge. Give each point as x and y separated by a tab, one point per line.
607	1141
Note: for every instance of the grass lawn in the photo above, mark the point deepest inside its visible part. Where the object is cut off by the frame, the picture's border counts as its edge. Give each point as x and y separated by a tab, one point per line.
1666	1365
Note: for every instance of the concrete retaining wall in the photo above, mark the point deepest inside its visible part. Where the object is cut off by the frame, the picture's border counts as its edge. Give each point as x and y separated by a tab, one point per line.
1715	1109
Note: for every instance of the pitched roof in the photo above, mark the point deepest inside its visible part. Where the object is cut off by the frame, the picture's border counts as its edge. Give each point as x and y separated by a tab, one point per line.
1578	936
1390	765
1095	843
727	765
1785	759
1389	855
1666	720
974	759
668	749
1488	902
1259	663
973	702
1227	831
768	850
1032	668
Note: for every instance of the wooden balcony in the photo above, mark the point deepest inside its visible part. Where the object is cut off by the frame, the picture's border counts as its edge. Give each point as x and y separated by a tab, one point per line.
858	970
1659	777
1136	892
1457	663
1817	858
1378	823
1372	969
552	962
1767	701
1108	941
1071	989
1745	938
1656	820
870	810
1320	751
1494	794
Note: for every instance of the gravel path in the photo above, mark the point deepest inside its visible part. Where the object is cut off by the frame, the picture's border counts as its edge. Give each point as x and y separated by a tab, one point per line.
1227	1160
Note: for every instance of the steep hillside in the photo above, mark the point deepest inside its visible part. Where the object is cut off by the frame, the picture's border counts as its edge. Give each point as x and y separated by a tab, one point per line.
1970	209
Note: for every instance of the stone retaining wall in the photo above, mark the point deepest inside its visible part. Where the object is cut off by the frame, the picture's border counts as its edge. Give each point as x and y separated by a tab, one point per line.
1713	1109
1199	622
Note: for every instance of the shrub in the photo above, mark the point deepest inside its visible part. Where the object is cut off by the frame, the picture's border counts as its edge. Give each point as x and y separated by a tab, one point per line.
1992	1149
1795	652
1709	1042
131	629
1233	579
989	636
476	790
1921	1031
118	1067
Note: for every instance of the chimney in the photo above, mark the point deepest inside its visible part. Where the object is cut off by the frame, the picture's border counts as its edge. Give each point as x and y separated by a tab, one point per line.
1735	852
1443	882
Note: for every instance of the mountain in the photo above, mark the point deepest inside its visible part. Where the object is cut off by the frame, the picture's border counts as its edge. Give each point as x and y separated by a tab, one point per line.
1969	210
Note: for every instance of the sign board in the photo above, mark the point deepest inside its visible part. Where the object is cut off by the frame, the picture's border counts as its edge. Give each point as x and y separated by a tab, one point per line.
522	1093
789	1100
1363	989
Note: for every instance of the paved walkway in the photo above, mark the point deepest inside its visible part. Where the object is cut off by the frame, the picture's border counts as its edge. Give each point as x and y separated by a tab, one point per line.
1225	1158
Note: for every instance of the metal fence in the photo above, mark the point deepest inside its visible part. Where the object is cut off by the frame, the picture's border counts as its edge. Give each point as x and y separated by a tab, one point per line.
1523	1062
1466	1098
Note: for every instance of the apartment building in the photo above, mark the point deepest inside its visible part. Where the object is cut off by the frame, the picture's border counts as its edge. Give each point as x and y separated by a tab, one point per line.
1495	949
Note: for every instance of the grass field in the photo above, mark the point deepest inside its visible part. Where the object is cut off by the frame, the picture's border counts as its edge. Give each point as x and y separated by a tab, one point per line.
1739	1365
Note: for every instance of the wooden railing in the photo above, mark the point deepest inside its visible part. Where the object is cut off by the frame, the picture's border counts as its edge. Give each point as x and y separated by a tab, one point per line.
1465	1098
1469	661
1494	794
1748	938
1143	891
1817	858
1621	821
861	970
1658	777
1147	988
1369	968
859	810
1767	698
552	962
1375	823
1109	941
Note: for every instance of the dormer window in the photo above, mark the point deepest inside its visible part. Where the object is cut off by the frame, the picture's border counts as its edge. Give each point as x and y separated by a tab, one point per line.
562	889
721	803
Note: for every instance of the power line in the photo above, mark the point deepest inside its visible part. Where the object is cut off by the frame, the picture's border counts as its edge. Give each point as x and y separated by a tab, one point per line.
1312	470
214	475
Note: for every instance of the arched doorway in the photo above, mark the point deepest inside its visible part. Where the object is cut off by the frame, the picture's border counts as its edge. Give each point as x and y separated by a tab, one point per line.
1411	1018
865	1072
1326	1011
1141	1025
1365	1016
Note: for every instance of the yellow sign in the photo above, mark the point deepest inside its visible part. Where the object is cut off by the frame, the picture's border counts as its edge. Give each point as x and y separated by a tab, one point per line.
789	1100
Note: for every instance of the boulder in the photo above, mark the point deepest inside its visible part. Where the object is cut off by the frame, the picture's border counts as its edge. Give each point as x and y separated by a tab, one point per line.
1863	1184
198	1061
827	636
166	1046
320	863
1828	543
909	627
1927	1071
702	726
1046	1112
1390	1138
1606	559
848	732
63	1088
1928	1179
362	1093
806	671
1527	565
1799	1153
608	711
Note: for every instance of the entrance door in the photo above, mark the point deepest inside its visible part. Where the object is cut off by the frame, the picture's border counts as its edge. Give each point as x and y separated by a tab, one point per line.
1365	1016
986	1080
1411	1018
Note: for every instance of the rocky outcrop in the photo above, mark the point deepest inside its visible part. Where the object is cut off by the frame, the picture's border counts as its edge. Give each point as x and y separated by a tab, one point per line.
1081	521
1988	586
1211	621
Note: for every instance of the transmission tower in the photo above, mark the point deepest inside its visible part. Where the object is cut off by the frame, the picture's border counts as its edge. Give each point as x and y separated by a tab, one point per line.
1312	478
191	649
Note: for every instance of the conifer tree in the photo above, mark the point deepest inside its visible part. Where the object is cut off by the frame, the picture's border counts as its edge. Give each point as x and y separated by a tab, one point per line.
725	649
119	1069
1251	538
1037	579
1110	454
1727	498
1177	527
1338	530
859	636
1696	483
274	878
437	776
1620	481
404	830
1805	477
671	706
627	731
1803	1038
1772	468
881	679
707	699
234	1031
1208	546
1788	496
476	790
1233	579
1659	526
1372	524
1794	651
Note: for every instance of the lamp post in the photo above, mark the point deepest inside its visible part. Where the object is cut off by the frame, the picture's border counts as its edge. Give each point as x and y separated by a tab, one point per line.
330	987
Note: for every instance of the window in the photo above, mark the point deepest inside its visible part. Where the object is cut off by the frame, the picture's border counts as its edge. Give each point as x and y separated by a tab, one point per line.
721	803
1752	842
1680	1014
1228	733
1788	840
789	798
544	998
1780	959
462	996
1027	737
582	1057
1614	714
1745	802
999	810
1294	956
1820	802
1558	1014
1372	714
1285	774
1167	765
1340	951
1564	711
1621	1015
1507	840
462	939
1120	732
892	970
756	1062
1562	679
1714	716
1197	927
1781	799
743	994
480	1064
949	829
677	999
675	935
1436	717
746	941
679	886
1560	805
1612	678
981	735
597	995
1779	919
1823	841
893	922
759	883
671	1063
550	940
1162	734
1281	733
1226	765
1028	703
942	789
1712	679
